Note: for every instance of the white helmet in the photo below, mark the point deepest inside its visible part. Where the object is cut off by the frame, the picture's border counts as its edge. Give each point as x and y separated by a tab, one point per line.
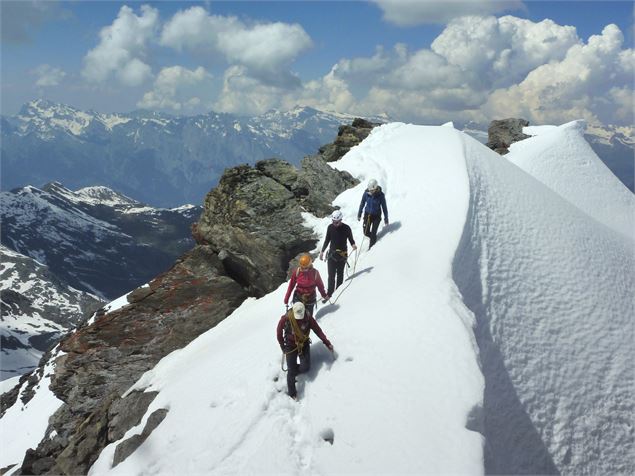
372	185
298	310
337	215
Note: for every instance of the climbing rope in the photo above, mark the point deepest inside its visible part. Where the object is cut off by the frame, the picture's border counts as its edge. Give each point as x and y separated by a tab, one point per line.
300	338
350	281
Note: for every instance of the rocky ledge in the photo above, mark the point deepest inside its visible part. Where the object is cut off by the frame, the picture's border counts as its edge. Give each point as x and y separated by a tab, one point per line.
504	132
250	229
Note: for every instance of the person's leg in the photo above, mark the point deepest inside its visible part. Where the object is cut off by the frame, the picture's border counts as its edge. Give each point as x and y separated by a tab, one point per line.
340	273
305	358
366	224
374	226
331	281
292	372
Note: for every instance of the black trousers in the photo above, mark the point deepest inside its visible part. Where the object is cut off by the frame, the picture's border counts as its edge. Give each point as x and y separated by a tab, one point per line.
371	225
309	303
293	368
336	264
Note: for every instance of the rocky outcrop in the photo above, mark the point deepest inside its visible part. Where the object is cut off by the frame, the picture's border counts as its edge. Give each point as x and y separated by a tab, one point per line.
103	359
250	229
503	133
253	219
347	137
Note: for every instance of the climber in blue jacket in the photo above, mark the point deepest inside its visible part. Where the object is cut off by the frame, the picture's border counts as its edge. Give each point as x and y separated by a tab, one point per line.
372	204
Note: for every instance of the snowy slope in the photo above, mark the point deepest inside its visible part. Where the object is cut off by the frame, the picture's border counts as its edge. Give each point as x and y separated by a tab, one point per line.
539	364
577	174
552	291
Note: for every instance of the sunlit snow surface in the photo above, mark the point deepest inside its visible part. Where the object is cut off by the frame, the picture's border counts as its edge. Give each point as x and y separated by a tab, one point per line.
398	396
24	425
540	363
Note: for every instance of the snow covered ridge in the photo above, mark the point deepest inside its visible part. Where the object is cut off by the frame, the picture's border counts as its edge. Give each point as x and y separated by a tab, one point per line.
489	327
575	172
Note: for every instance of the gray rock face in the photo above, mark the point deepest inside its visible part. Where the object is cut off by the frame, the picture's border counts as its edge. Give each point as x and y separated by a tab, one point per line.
250	229
503	133
253	218
347	137
105	358
127	447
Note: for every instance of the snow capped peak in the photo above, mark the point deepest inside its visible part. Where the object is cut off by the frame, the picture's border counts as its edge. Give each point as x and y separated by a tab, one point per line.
576	173
100	195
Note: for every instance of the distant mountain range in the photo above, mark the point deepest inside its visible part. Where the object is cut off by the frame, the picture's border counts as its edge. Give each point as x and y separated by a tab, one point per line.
37	309
160	159
95	240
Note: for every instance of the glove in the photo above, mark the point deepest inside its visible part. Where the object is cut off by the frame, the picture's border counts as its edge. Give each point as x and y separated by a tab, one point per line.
386	221
354	247
329	346
359	217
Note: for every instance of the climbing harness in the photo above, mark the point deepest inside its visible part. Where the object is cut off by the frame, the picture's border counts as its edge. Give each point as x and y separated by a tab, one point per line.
300	338
341	290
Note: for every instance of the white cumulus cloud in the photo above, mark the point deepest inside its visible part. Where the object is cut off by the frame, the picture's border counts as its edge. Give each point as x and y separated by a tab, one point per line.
48	76
592	81
482	68
265	49
178	89
122	48
418	12
503	50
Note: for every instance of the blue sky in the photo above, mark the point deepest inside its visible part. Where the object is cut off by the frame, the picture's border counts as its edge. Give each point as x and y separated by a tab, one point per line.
417	61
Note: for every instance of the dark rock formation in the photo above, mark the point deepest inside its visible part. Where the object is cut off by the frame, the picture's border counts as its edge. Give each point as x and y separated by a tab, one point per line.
347	137
250	229
253	218
127	447
503	133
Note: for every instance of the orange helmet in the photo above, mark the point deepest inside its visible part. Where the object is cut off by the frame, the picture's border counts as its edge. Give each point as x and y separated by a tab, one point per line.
305	261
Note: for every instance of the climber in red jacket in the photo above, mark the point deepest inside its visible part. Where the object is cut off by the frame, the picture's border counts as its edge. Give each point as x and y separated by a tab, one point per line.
305	278
293	332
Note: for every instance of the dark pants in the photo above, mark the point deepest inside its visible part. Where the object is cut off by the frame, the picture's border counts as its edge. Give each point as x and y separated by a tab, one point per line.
307	300
371	225
293	369
336	264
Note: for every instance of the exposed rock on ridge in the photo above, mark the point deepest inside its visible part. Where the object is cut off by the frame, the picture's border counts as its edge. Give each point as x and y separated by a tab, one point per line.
347	137
503	133
249	230
253	218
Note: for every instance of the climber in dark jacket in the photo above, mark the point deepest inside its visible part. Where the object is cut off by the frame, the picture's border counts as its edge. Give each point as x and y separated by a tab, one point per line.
337	235
372	204
293	332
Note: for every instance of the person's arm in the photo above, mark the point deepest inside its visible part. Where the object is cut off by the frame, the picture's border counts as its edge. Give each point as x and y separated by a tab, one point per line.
327	240
384	207
290	288
315	327
320	283
349	235
361	207
279	331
